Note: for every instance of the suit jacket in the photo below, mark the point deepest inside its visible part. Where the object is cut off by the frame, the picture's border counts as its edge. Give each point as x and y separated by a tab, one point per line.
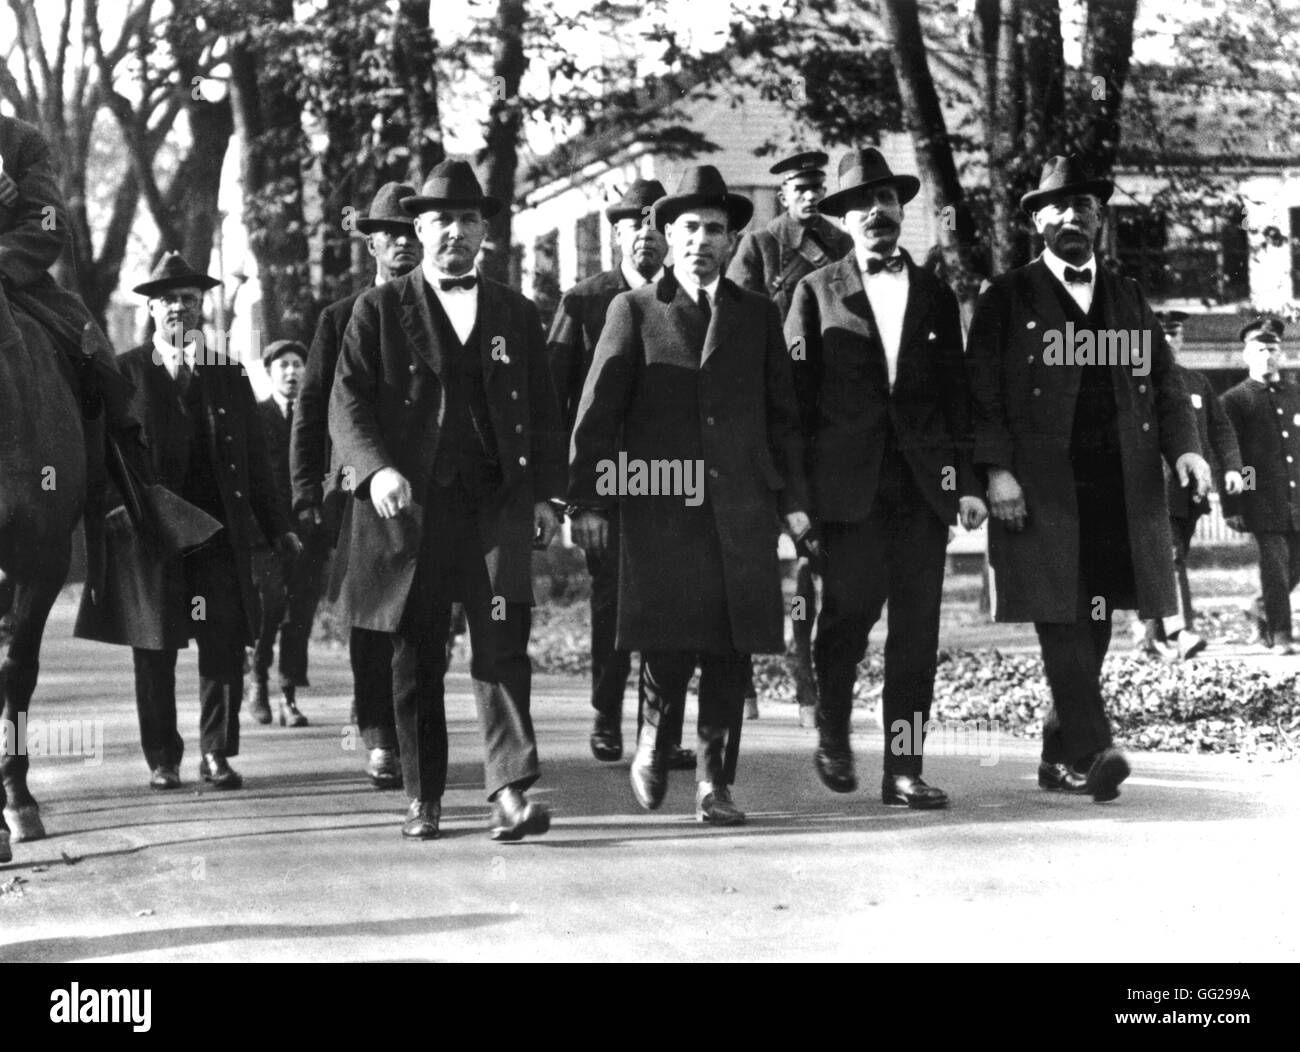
1267	426
762	257
386	410
665	388
1218	445
276	432
575	332
1024	415
848	408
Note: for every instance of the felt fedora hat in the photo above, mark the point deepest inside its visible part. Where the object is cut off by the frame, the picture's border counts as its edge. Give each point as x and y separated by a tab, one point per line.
703	187
172	272
636	201
1065	177
452	184
386	209
861	171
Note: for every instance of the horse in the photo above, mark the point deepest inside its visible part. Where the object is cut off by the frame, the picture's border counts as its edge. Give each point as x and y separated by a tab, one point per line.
43	491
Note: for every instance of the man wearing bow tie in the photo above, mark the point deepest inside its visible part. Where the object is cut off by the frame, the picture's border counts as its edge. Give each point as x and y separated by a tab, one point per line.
445	424
878	368
1073	450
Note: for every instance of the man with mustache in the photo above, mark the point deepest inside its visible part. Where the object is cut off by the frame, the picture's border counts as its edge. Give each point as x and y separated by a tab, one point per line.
572	345
878	367
318	484
1073	452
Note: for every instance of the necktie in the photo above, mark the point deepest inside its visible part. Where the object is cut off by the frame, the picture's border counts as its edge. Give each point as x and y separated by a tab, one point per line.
288	412
894	264
467	282
1078	277
703	302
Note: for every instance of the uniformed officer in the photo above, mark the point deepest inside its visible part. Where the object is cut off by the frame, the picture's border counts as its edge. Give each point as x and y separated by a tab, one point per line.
1265	412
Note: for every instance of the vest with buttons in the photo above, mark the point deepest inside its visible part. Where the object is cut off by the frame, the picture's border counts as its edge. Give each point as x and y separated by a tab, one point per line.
200	487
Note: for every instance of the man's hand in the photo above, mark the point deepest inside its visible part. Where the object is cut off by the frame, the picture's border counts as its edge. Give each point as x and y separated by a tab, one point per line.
309	518
288	545
798	523
1007	499
390	493
1233	483
590	531
1193	468
545	523
1236	523
971	512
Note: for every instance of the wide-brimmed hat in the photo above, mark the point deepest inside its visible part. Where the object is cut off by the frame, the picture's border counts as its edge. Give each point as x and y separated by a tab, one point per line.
452	184
861	171
172	272
279	348
1065	177
703	187
386	209
1266	328
636	200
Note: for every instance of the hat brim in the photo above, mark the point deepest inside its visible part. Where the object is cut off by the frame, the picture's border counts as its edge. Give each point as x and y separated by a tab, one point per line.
740	210
280	352
202	282
488	206
1099	188
614	213
1255	327
836	204
374	226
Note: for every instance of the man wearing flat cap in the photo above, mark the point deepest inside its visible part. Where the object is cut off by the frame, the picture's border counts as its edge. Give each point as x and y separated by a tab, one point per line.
318	496
206	445
885	403
445	425
1265	413
571	347
691	381
1077	408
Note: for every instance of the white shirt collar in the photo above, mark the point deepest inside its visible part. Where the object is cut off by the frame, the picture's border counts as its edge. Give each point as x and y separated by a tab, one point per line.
1057	266
634	278
282	402
692	289
168	354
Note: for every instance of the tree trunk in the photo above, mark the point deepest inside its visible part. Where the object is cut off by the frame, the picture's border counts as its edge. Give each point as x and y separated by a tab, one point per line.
1107	52
500	157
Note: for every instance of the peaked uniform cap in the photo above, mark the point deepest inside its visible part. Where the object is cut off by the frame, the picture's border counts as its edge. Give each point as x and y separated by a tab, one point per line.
1268	328
810	162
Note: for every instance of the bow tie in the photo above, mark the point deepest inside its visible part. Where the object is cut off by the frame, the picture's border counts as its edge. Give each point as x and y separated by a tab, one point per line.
1078	277
467	283
894	264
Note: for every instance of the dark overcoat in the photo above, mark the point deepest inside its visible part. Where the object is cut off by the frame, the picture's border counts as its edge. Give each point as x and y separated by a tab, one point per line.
663	387
769	261
386	410
1023	415
1267	425
846	403
1218	445
575	332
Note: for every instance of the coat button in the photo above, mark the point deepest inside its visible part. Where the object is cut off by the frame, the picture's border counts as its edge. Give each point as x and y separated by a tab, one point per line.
514	396
1279	412
1031	325
1030	359
709	420
713	473
1037	391
238	494
407	402
523	462
519	429
1286	434
222	412
233	468
1146	427
1142	388
414	367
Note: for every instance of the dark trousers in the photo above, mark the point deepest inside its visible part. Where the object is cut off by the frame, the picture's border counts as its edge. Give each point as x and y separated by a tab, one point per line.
289	590
451	568
371	655
1182	531
212	576
609	665
1279	573
665	675
897	554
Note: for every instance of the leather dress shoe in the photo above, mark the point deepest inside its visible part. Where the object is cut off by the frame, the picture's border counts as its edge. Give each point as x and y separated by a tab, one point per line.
514	817
649	777
422	819
1059	778
715	806
165	776
261	707
606	740
1189	645
290	716
215	769
1109	768
680	759
902	789
383	769
834	765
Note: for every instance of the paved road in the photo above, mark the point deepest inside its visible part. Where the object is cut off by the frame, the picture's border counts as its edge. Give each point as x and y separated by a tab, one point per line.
1195	861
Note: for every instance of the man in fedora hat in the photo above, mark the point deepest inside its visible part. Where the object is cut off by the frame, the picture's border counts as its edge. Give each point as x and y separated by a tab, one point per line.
773	261
445	424
691	378
571	347
318	495
1073	441
878	367
1175	638
1265	413
206	445
289	589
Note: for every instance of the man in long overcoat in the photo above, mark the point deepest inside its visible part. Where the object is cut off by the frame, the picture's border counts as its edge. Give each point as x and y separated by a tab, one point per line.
445	424
688	424
1072	427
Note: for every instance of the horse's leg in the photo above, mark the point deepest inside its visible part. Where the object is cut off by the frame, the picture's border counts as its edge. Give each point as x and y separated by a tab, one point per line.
32	601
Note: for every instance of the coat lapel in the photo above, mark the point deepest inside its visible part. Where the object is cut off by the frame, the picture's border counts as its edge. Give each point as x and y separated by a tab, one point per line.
1042	296
493	319
417	321
850	292
920	301
722	321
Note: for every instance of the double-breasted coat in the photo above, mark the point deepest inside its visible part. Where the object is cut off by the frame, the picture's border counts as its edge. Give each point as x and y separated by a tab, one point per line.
1023	410
668	386
386	410
1266	419
576	330
774	259
1218	445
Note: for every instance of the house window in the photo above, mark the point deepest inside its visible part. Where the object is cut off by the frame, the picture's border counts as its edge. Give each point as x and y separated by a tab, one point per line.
587	235
546	275
1212	266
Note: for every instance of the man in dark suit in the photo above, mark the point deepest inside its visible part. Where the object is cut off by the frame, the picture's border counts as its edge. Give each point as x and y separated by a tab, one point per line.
318	496
1265	414
883	394
691	384
445	423
1175	638
288	589
571	347
206	445
1076	401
